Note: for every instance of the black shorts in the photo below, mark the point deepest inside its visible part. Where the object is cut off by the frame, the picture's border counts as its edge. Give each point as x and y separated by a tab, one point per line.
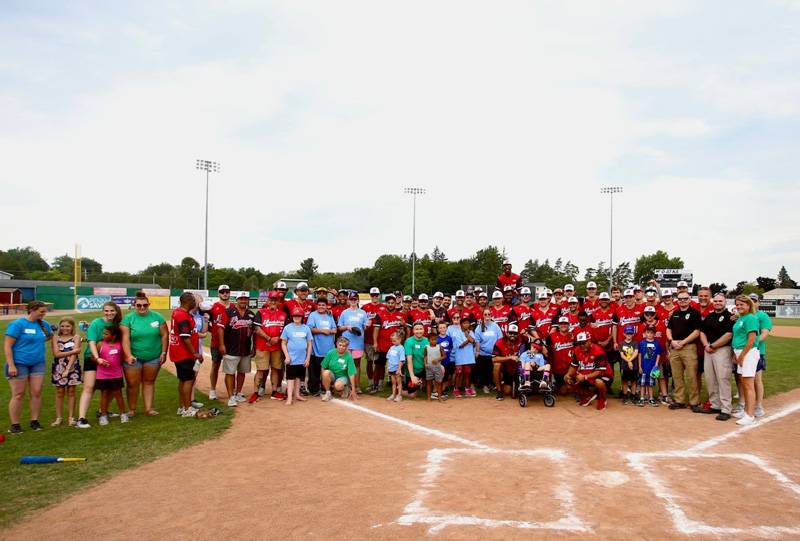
89	364
216	356
295	371
449	370
381	360
628	374
185	370
113	384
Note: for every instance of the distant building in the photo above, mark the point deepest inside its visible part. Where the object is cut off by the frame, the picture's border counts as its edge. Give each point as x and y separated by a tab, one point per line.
6	275
783	294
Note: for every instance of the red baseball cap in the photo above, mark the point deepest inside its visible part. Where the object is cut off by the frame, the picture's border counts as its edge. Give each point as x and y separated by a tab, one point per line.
273	295
297	311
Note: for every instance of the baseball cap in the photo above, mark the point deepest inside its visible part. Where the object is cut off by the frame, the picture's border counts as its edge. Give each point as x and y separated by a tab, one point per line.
508	288
224	287
637	287
272	295
353	295
542	294
556	291
604	295
390	296
753	296
460	293
549	291
582	337
374	291
280	285
297	311
650	293
205	306
302	286
569	287
497	295
538	344
423	297
243	295
506	262
478	289
525	291
572	299
513	328
321	290
438	295
563	319
591	285
649	309
666	292
407	298
628	293
683	283
629	329
483	294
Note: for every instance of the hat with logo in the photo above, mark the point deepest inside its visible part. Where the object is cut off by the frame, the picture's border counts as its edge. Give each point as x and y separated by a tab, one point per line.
591	285
649	309
513	328
572	299
753	296
683	283
542	294
374	291
628	293
629	329
243	295
569	287
407	298
438	295
224	287
281	285
563	319
525	291
666	292
302	286
353	295
497	295
582	337
460	293
604	296
423	297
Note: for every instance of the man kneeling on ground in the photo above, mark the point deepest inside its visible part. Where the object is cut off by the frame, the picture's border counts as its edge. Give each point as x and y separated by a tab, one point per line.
589	374
339	371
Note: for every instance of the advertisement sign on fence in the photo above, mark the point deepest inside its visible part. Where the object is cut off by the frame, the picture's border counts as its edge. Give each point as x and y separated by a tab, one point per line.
92	302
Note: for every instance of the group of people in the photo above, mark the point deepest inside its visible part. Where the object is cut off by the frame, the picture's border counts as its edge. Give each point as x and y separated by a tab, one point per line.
660	344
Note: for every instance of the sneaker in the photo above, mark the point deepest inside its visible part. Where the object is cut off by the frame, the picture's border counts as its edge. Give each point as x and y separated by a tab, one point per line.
759	412
677	406
180	411
261	391
601	404
103	420
372	389
485	389
626	400
641	402
654	402
212	395
197	405
665	400
434	395
124	418
543	384
499	396
471	392
697	408
57	422
327	396
71	421
36	425
587	400
82	423
304	391
379	388
239	397
738	407
456	393
111	414
723	416
391	397
525	386
738	414
746	420
398	398
190	412
232	402
15	429
252	399
277	395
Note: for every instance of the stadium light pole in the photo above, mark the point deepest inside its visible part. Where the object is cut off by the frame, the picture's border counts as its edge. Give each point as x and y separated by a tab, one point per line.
611	190
414	193
208	167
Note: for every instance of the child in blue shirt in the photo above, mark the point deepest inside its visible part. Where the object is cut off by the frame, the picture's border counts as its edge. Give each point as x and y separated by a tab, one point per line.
444	340
534	366
396	357
649	356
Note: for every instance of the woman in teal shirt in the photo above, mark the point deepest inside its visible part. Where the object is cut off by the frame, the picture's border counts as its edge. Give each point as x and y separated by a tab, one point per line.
25	363
144	346
112	316
746	355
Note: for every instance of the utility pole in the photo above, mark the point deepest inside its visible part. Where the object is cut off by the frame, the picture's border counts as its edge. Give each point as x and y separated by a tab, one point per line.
611	190
414	193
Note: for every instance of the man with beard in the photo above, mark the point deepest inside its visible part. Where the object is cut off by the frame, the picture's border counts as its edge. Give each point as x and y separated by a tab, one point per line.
472	308
422	314
387	321
505	359
438	308
301	301
459	304
370	350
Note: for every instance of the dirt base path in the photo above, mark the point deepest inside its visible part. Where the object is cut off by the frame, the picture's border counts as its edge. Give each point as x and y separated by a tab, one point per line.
786	331
328	470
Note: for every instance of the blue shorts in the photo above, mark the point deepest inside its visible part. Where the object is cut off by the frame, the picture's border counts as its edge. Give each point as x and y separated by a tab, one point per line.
140	363
23	371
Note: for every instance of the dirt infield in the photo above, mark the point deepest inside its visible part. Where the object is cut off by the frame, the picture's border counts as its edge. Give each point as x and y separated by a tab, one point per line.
785	331
468	468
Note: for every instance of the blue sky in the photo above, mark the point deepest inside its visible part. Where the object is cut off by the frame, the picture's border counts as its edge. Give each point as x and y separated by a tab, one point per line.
321	112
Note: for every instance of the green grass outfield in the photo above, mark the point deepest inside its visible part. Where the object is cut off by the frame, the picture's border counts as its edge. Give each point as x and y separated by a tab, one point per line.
786	321
109	450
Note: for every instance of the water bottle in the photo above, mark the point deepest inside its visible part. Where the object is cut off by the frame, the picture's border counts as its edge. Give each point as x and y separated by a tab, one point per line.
197	364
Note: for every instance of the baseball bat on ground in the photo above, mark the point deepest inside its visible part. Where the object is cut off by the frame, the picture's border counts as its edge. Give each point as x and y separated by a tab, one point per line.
47	459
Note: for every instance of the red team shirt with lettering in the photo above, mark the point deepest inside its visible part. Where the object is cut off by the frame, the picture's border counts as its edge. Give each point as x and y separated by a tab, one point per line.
388	322
217	309
501	316
523	315
560	346
593	360
422	316
628	316
271	323
590	305
181	326
371	308
307	306
543	319
337	310
603	321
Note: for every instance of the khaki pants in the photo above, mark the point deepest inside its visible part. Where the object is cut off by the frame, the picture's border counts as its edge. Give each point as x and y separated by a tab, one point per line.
684	362
718	369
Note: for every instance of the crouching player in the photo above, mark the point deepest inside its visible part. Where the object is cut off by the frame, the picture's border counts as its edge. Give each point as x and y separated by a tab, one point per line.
534	366
589	372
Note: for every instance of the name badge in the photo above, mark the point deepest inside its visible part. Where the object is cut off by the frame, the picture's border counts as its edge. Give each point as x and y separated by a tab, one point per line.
154	324
113	351
324	324
30	331
299	334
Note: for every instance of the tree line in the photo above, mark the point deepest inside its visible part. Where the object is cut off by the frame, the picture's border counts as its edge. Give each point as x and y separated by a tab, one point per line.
434	272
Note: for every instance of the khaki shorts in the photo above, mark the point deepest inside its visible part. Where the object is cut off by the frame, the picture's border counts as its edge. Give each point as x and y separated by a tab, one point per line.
232	365
266	359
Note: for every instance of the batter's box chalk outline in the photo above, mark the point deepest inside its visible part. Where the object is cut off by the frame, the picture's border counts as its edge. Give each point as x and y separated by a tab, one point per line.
639	462
417	512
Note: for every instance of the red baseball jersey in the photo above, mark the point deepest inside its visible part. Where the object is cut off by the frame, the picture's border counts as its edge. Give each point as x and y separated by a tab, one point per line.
661	334
307	306
543	319
337	309
560	347
573	320
371	308
422	316
522	315
181	326
663	313
271	323
590	305
603	322
513	280
387	322
216	310
628	316
590	361
501	316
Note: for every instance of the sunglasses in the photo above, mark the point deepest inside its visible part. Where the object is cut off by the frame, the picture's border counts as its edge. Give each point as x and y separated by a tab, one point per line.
140	305
683	298
224	292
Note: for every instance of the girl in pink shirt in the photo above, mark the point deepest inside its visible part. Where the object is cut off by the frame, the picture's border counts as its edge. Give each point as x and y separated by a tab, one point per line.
109	374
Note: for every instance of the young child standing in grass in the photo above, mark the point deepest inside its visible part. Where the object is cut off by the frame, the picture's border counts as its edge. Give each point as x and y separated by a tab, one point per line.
66	373
109	374
434	371
396	357
649	355
629	354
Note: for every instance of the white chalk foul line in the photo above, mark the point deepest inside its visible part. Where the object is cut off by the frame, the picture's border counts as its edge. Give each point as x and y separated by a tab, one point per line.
414	426
780	414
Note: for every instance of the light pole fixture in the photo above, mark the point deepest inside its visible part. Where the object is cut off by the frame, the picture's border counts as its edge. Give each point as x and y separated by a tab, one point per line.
414	193
208	167
611	190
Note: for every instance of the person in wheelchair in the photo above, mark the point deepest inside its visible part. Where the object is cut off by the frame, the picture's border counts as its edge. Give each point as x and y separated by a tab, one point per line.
534	368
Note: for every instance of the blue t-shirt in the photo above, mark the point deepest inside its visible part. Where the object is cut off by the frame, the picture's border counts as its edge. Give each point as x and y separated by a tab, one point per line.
395	356
29	349
487	337
297	338
354	318
323	343
447	344
531	357
648	351
465	355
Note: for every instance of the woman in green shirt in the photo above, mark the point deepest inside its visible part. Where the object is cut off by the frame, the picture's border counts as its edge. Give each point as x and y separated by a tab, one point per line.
746	355
112	315
144	347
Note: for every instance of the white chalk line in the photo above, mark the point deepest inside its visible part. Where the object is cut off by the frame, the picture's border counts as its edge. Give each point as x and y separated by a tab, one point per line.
679	518
416	512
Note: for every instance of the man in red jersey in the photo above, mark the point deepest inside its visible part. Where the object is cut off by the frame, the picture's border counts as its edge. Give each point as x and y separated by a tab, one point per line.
422	314
184	350
638	296
589	371
602	319
628	314
559	348
508	296
650	319
500	311
301	301
572	313
341	304
508	278
459	304
521	313
542	315
472	308
370	350
218	308
504	360
667	305
281	289
268	324
569	291
616	296
387	321
592	301
558	300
